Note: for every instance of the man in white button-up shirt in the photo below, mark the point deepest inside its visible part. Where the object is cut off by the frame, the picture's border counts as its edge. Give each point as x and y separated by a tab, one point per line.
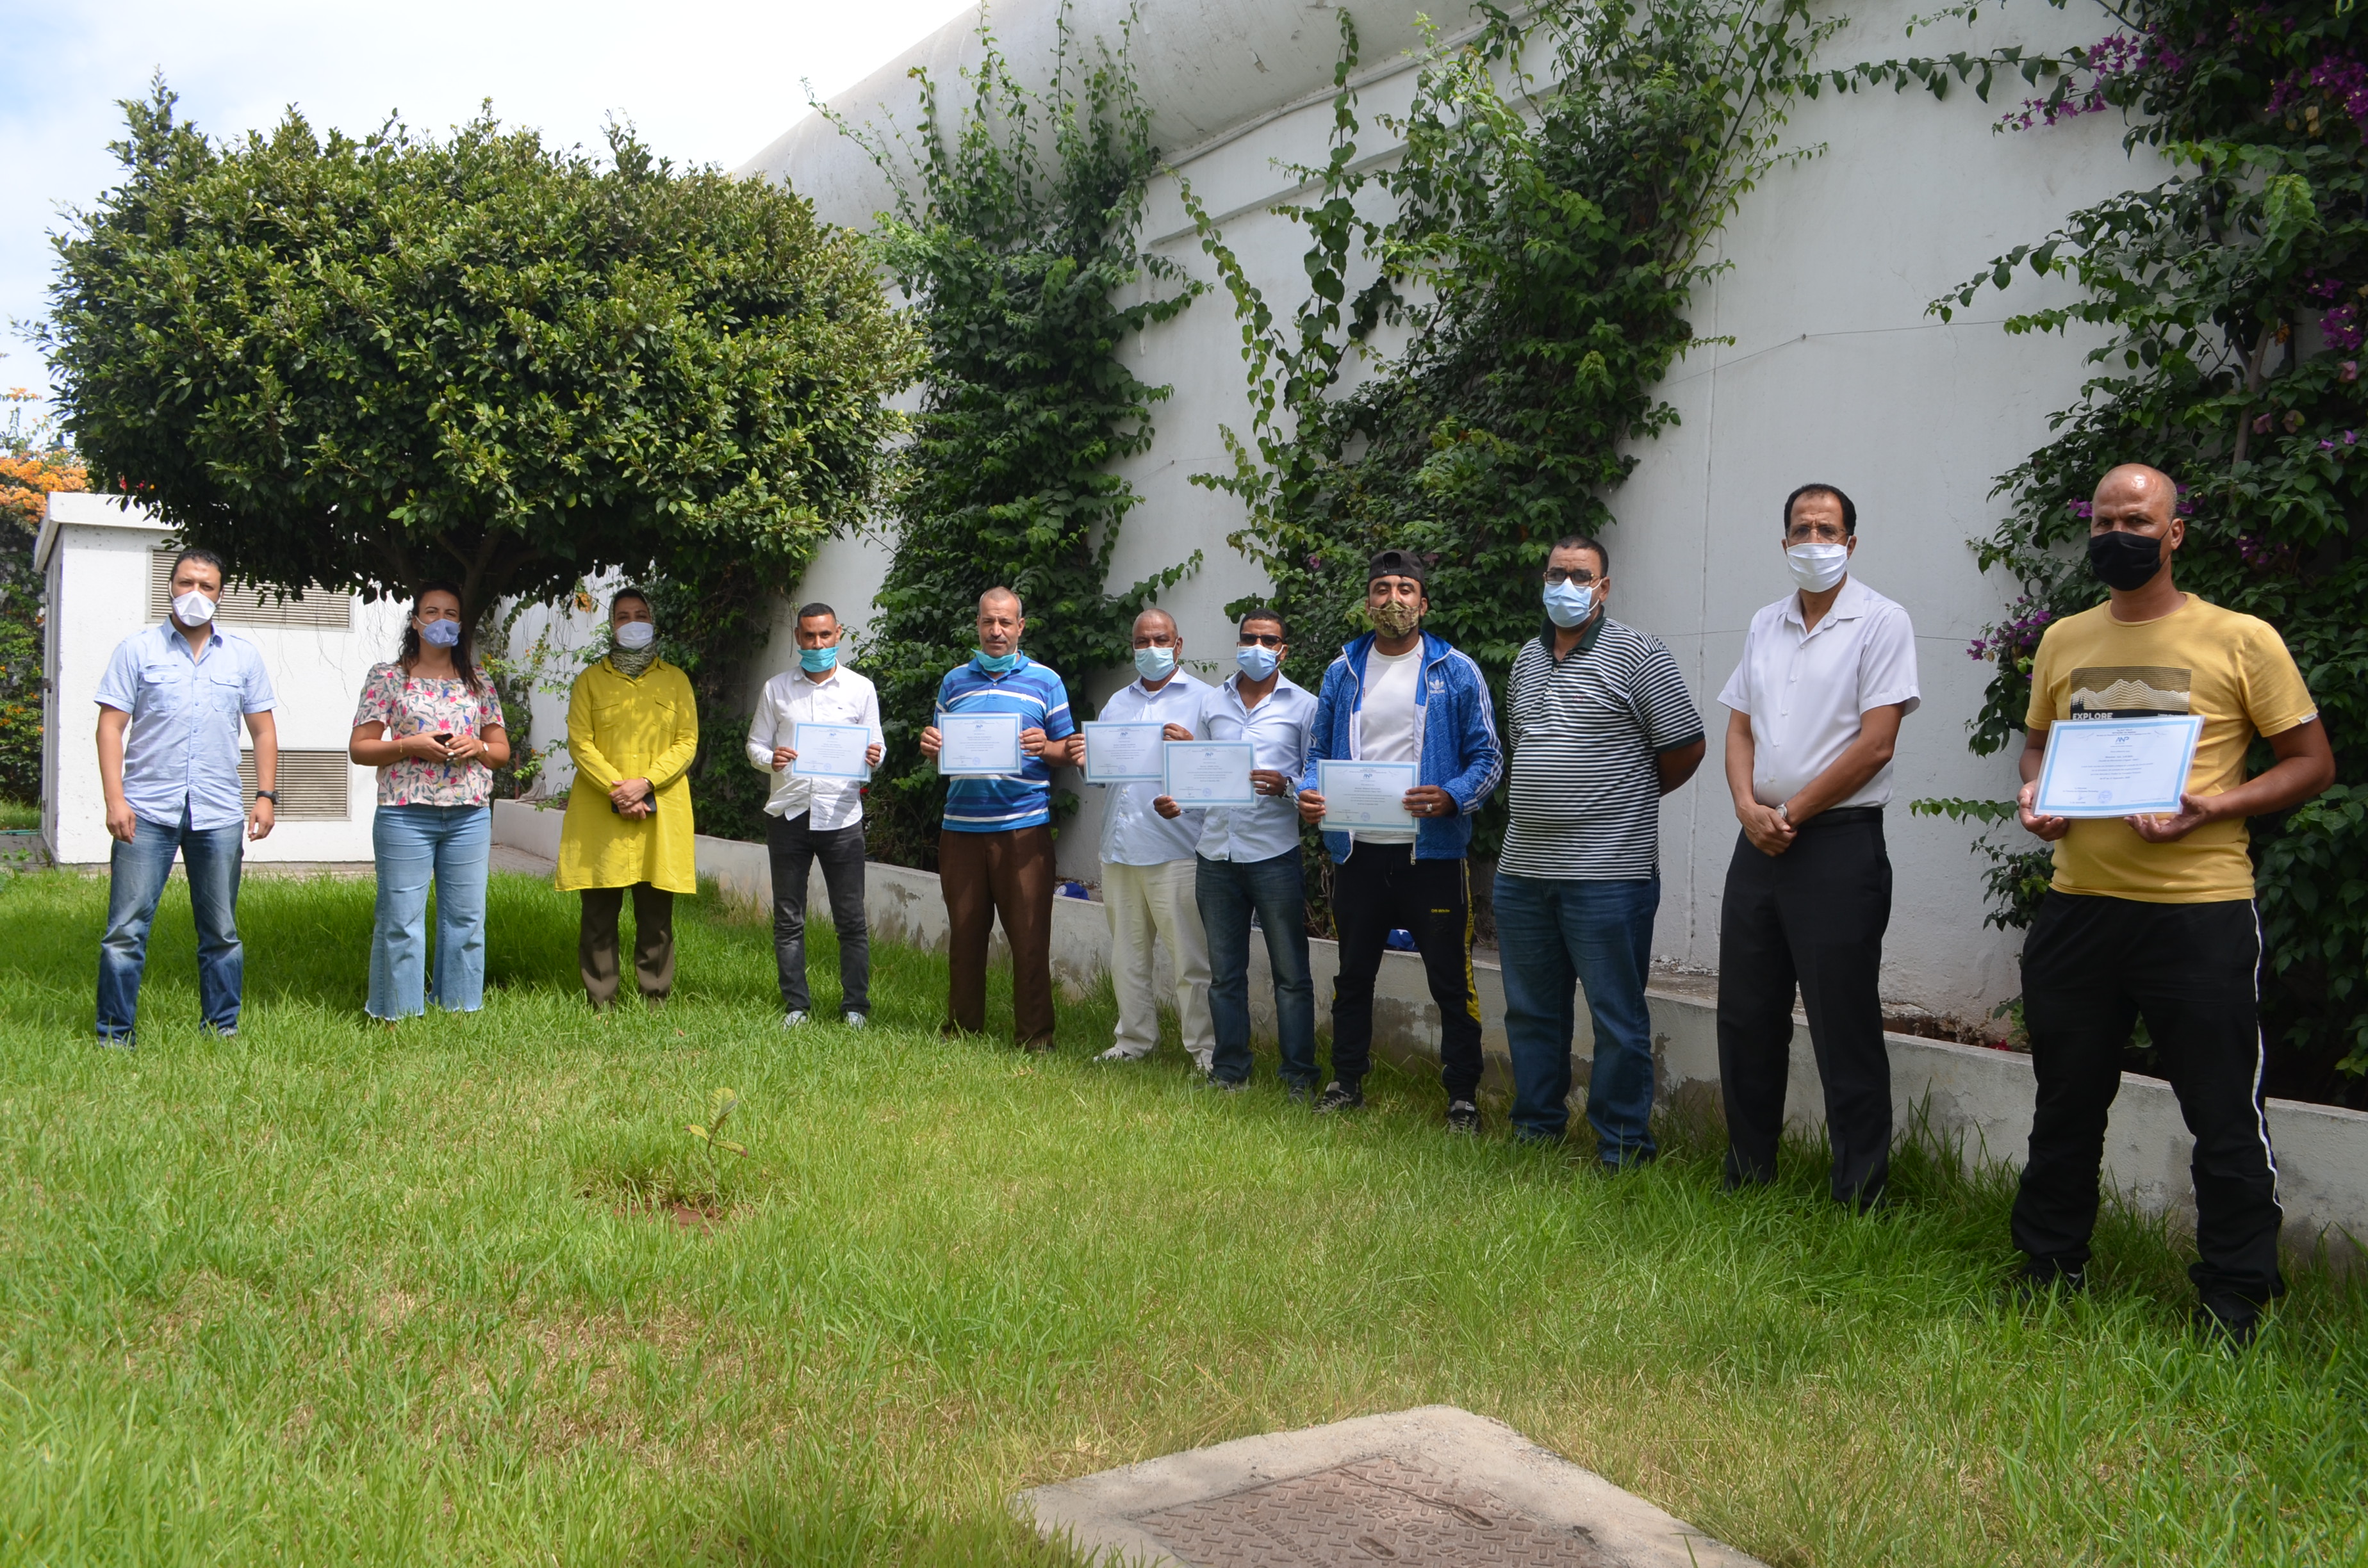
1147	859
1827	674
815	819
1249	860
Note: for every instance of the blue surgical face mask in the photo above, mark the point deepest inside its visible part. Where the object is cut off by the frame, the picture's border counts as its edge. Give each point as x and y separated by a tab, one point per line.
1569	604
1155	663
442	634
995	664
1256	661
817	660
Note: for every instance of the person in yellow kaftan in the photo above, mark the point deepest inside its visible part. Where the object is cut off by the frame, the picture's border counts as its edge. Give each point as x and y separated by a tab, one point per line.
632	728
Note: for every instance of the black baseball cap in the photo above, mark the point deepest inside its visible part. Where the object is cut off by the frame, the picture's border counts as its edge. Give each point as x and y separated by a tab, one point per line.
1400	563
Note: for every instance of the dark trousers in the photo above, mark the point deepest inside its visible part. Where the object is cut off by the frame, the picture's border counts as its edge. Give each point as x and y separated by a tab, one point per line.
1381	886
2090	969
1227	892
984	876
793	845
596	942
1813	917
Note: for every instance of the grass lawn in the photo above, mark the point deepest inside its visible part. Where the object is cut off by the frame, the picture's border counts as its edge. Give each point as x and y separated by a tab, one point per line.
330	1293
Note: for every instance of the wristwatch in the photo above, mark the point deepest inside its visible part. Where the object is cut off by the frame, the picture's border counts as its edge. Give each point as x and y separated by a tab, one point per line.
270	795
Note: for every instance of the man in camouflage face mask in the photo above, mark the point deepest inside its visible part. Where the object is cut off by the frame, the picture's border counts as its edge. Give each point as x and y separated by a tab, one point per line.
1401	697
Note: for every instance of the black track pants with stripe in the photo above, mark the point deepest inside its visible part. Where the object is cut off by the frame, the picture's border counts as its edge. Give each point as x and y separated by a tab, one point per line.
1381	886
2091	967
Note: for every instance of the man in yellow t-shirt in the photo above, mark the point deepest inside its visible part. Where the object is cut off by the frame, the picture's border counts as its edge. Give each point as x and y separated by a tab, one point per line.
2152	916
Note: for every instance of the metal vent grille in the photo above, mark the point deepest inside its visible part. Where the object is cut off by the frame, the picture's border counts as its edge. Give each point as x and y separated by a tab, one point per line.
315	785
242	604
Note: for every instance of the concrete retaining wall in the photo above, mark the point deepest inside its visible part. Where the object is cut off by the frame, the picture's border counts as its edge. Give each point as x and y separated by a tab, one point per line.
1978	1099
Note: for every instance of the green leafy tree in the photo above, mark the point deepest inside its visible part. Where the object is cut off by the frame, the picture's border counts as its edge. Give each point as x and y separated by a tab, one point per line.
1014	235
1546	227
32	465
368	362
2233	302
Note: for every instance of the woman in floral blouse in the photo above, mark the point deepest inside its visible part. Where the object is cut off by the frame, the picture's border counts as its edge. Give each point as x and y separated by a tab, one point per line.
431	724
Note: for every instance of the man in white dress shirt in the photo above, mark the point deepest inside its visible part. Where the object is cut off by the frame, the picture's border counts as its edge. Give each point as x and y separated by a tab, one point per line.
1147	859
1827	674
817	819
1250	861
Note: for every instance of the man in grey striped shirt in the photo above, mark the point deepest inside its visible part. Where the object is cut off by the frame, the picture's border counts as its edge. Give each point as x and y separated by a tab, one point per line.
1600	726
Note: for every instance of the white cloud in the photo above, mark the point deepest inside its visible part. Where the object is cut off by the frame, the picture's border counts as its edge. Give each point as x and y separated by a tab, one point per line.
705	81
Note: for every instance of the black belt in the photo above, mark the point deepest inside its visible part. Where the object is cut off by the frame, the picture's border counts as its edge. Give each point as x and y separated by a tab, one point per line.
1841	816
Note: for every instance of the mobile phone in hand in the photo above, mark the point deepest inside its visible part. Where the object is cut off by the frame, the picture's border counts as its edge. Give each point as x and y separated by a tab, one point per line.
443	737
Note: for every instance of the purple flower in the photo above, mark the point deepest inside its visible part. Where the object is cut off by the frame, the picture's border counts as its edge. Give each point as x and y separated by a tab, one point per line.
2342	328
2348	371
2261	425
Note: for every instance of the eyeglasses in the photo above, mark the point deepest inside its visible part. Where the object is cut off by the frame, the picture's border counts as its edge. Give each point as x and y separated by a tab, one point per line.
1263	639
1557	577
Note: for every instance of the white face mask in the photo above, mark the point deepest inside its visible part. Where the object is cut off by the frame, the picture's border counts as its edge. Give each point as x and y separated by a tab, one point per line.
1818	567
193	608
636	635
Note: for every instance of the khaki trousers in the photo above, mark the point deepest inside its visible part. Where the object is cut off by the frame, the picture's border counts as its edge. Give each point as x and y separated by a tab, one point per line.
1009	875
595	944
1144	903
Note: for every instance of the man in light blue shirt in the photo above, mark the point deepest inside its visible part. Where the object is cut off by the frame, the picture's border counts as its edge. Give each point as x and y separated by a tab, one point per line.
1248	860
1147	859
171	782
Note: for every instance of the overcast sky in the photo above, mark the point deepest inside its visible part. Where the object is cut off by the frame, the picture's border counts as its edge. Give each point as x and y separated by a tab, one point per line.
705	81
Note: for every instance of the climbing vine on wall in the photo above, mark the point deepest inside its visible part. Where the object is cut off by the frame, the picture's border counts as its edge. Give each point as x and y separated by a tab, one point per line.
1014	235
1546	227
2233	299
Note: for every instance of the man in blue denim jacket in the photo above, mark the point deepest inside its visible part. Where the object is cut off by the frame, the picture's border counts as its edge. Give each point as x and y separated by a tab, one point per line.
1398	695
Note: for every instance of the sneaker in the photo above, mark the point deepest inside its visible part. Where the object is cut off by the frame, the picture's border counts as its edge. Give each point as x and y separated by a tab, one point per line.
1337	1096
1037	1047
1464	1117
1123	1053
793	1018
855	1020
1299	1094
2042	1279
117	1042
1224	1088
2234	1332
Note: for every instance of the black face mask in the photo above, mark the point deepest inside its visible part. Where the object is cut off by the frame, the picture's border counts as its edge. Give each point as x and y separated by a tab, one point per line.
2123	560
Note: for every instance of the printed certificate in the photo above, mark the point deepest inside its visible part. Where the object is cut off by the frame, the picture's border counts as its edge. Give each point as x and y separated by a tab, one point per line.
2116	768
1366	794
1123	753
830	751
978	746
1208	773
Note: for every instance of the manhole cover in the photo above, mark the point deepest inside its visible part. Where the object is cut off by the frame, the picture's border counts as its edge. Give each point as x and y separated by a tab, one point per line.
1375	1510
1431	1486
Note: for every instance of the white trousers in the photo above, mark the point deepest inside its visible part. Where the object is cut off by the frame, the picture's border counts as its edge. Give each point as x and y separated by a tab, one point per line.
1145	900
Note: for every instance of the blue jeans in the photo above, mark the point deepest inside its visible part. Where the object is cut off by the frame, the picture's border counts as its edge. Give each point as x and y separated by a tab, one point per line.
1227	892
136	874
452	846
1551	934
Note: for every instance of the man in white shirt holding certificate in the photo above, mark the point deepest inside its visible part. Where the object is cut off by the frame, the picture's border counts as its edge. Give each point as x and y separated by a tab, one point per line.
1248	865
1147	856
2150	917
815	815
1829	671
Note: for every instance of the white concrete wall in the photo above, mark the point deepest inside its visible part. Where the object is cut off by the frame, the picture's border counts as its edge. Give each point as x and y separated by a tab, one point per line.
1835	373
95	552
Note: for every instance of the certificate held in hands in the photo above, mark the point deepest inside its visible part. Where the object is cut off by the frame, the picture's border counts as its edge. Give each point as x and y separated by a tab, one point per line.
1123	753
830	751
1209	773
1365	794
978	746
2116	768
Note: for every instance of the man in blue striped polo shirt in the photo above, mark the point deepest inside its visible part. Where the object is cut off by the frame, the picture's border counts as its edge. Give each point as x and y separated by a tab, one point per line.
995	851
